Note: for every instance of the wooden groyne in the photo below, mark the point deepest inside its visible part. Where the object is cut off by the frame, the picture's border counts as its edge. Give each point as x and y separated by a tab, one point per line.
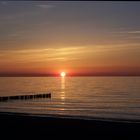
25	97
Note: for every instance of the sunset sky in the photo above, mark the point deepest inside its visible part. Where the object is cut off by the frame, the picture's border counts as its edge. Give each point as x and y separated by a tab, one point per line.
80	38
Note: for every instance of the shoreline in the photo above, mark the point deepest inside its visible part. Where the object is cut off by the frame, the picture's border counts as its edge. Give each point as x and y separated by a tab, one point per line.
73	117
49	125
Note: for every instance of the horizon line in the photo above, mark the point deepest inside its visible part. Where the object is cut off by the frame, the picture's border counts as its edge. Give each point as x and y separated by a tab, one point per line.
16	74
119	75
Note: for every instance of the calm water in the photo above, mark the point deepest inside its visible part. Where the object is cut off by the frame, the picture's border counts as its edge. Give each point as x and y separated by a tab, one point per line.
97	97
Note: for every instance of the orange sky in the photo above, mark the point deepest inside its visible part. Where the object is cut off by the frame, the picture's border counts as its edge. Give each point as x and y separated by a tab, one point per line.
45	38
72	60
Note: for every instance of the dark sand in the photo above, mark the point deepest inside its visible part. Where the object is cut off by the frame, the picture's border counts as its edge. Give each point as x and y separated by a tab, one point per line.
29	125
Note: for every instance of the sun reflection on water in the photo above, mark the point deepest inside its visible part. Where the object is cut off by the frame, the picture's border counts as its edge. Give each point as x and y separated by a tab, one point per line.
62	94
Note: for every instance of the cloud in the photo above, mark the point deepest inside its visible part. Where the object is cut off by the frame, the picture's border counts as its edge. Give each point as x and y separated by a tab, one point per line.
134	37
128	32
45	6
3	2
134	32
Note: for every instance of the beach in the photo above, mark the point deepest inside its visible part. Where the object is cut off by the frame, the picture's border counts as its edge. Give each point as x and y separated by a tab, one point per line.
32	125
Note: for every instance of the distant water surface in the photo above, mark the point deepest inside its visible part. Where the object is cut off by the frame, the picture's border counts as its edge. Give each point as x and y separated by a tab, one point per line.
94	97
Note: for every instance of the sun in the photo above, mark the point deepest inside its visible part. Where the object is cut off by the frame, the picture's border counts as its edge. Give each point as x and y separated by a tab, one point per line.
62	74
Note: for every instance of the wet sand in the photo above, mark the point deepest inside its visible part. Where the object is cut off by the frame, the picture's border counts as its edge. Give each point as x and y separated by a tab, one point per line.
29	125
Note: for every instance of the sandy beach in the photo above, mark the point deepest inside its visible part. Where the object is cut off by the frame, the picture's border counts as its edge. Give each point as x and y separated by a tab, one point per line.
17	123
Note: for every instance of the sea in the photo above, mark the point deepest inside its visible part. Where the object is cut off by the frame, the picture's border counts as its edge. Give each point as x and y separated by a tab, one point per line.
85	97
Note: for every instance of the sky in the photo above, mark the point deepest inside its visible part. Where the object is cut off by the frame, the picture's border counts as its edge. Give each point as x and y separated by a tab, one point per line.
78	37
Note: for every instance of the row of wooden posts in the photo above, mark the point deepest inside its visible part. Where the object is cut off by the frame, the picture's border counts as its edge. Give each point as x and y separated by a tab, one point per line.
25	97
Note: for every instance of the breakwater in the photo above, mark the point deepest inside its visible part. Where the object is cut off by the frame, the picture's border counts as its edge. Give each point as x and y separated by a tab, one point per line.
25	97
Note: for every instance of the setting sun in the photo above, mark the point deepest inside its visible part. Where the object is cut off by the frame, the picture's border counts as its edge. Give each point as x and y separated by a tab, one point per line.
62	74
